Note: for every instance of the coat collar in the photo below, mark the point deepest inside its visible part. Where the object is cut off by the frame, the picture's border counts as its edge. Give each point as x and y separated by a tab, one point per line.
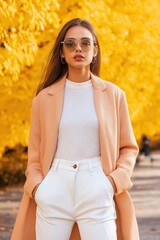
96	82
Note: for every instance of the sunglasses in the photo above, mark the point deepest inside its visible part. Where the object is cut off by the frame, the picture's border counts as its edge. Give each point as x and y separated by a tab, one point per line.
71	44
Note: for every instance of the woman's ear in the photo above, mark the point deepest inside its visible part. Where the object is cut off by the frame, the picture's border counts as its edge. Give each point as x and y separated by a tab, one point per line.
95	51
61	53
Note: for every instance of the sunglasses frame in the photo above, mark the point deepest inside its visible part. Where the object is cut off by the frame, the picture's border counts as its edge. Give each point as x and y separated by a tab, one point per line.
72	48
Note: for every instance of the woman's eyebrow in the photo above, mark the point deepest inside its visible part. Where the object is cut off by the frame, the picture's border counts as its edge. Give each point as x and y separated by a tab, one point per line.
86	38
80	38
70	38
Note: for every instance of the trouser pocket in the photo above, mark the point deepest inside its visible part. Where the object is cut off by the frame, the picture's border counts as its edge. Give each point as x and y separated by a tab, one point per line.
44	186
105	181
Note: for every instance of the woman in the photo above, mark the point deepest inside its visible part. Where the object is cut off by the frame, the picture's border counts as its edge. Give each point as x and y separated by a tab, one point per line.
82	149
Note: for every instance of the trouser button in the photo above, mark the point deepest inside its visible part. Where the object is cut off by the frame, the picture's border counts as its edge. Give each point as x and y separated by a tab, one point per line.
74	166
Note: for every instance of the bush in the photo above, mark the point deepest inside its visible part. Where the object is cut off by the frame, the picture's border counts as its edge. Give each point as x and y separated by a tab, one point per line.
13	165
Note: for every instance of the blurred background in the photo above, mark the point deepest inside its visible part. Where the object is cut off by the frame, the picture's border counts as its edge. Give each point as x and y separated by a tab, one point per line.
129	35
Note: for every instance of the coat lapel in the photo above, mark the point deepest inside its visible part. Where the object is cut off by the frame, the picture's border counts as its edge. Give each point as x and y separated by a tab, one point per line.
102	109
53	110
107	115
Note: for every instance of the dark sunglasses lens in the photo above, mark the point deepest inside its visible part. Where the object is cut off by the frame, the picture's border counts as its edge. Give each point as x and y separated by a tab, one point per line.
86	44
69	43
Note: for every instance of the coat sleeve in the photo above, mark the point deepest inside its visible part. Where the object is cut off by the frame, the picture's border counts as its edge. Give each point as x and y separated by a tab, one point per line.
33	173
128	149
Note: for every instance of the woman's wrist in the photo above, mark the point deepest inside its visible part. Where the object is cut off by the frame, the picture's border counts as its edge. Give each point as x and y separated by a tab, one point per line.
112	182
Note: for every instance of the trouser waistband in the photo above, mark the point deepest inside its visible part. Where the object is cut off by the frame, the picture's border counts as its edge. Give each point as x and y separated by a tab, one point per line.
76	165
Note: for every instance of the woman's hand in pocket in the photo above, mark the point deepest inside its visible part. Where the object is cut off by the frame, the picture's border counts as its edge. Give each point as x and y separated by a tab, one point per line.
112	183
34	190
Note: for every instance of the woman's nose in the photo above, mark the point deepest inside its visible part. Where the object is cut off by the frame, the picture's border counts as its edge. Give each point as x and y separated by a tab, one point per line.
78	47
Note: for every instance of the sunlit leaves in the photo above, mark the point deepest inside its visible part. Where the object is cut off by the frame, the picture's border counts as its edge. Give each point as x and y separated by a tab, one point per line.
25	28
129	35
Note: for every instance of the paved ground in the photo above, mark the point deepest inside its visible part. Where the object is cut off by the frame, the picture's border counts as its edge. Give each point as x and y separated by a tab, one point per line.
146	197
145	194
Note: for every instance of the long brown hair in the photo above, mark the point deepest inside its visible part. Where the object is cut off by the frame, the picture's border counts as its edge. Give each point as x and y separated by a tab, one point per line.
54	68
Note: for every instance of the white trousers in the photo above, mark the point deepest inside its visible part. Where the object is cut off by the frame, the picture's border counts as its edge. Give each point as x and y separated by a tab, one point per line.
75	191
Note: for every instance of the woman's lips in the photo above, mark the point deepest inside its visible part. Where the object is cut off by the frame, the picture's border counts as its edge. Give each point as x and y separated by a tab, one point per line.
78	57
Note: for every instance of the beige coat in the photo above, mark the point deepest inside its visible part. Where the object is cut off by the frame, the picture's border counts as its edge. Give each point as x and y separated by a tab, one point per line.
118	153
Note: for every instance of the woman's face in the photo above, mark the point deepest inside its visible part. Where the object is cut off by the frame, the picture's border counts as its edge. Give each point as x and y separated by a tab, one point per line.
78	47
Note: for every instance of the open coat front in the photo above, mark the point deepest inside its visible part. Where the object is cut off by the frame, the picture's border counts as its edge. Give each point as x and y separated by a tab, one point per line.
118	153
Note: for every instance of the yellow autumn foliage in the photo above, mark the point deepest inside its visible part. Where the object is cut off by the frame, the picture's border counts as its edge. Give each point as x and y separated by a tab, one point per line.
129	35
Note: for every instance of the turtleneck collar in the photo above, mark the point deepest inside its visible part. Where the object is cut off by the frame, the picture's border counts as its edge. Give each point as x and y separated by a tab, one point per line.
72	84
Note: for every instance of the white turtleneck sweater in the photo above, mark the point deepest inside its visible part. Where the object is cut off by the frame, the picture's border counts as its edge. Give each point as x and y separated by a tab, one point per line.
78	136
